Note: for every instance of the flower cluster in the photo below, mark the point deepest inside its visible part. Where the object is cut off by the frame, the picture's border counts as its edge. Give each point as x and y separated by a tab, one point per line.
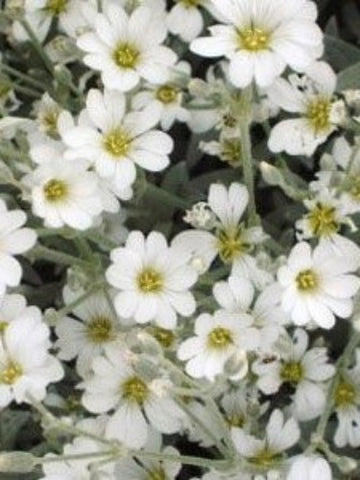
179	244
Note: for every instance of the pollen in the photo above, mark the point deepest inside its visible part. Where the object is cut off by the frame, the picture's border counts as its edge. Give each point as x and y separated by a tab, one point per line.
167	94
230	244
318	114
254	39
307	281
11	373
292	372
55	190
126	56
49	121
191	3
3	326
265	458
235	420
322	220
117	142
231	151
354	188
99	329
219	338
158	474
135	390
163	336
56	7
150	281
345	394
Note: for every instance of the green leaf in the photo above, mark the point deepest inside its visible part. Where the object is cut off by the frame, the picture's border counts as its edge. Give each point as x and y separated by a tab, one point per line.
349	78
340	54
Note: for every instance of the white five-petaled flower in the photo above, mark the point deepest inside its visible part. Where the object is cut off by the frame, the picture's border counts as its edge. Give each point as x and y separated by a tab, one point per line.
115	141
217	338
153	278
305	370
318	285
116	386
65	193
266	453
311	97
87	337
13	240
26	367
126	48
261	38
232	241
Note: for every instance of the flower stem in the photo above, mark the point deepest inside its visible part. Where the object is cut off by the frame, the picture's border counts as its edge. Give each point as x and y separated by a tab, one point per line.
341	363
245	118
38	47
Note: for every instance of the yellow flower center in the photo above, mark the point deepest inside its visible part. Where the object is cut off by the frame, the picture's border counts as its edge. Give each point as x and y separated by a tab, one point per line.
231	151
292	372
190	3
318	114
164	337
307	281
230	244
49	121
150	281
345	394
354	188
135	390
265	459
117	142
235	420
55	190
323	220
99	329
253	39
11	373
219	338
126	55
3	326
55	7
156	475
167	94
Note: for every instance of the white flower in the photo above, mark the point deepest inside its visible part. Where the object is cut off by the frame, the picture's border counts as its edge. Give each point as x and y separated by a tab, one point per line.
115	386
26	368
280	435
317	285
86	339
129	469
261	39
65	193
217	338
305	370
311	467
311	97
13	240
347	406
115	141
86	468
153	279
232	241
236	295
14	307
126	48
185	19
166	97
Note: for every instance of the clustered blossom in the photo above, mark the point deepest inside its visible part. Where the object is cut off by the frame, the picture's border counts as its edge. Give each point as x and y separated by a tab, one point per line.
151	304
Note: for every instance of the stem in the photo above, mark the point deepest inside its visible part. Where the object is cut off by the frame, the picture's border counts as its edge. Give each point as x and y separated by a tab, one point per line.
246	155
37	45
80	456
22	76
340	364
55	256
184	459
26	90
